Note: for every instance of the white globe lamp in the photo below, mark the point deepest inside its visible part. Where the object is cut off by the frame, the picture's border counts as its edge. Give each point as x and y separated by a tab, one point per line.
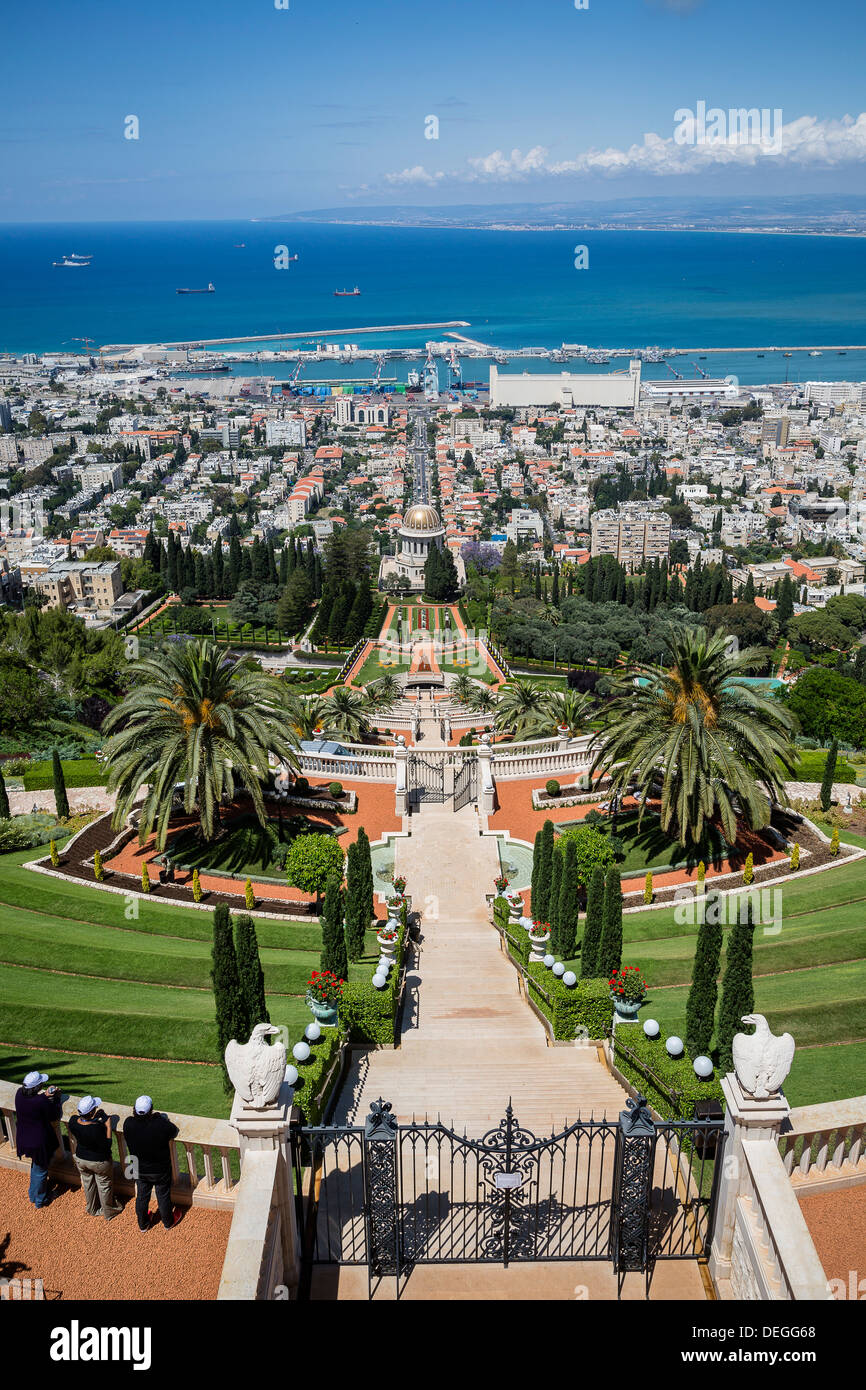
570	979
312	1032
291	1075
703	1068
559	969
651	1028
301	1051
674	1047
549	962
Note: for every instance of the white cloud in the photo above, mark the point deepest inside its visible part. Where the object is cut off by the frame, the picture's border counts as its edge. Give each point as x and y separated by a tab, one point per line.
804	142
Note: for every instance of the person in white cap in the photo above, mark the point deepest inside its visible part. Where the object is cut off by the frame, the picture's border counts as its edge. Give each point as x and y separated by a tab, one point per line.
148	1138
91	1131
37	1111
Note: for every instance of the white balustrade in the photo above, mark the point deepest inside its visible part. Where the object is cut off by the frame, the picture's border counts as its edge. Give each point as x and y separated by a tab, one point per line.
826	1144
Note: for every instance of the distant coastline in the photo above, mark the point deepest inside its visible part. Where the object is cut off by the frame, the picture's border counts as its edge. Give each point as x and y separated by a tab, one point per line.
849	234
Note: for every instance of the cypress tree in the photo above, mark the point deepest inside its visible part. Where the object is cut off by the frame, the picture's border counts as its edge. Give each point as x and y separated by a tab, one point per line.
231	1016
250	974
738	993
533	892
610	947
545	868
701	1003
593	925
568	903
61	800
553	901
218	569
4	799
354	905
365	861
284	565
829	774
333	955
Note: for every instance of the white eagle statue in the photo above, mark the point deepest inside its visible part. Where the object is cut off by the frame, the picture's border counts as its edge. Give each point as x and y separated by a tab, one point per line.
256	1068
761	1060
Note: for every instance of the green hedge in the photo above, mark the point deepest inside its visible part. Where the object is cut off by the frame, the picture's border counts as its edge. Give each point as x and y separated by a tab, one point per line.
675	1074
516	938
317	1077
83	772
585	1005
369	1014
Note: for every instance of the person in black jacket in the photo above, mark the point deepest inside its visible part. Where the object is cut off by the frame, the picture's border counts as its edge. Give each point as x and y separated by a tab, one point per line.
91	1130
36	1113
148	1138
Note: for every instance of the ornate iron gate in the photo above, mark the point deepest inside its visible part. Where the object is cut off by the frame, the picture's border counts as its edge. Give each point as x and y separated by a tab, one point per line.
465	782
393	1195
426	779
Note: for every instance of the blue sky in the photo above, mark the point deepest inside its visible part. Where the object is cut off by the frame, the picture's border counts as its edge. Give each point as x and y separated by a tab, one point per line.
249	110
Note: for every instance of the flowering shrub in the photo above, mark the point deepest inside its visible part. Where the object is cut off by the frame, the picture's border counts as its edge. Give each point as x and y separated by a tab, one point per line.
325	987
399	885
387	933
628	984
539	928
500	883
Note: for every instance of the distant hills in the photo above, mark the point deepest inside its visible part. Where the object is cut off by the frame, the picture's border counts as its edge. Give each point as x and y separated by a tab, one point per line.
828	214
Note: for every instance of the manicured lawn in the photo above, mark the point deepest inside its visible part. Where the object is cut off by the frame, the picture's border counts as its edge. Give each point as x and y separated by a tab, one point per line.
80	972
381	662
80	772
810	766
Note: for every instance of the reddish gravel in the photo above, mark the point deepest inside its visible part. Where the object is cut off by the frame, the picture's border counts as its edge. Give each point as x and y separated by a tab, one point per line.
837	1225
81	1256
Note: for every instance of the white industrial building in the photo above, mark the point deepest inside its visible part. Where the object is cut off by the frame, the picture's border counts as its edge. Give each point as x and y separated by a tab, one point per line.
617	390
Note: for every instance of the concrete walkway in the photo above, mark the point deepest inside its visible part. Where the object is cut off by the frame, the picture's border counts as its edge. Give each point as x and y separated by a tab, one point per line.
470	1042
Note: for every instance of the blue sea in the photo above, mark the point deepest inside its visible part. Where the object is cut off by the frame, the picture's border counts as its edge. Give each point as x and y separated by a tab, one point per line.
687	289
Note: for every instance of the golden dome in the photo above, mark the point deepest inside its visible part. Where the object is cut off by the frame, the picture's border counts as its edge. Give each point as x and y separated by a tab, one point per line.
421	517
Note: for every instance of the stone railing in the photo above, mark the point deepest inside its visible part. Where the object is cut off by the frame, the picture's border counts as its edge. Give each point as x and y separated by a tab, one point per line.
381	769
825	1145
773	1256
204	1156
254	1265
511	765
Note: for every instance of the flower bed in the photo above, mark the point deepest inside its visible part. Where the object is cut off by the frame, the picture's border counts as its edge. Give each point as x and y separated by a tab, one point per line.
567	797
347	804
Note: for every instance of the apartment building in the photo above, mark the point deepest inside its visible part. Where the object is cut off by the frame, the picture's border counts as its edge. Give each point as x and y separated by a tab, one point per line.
632	533
71	584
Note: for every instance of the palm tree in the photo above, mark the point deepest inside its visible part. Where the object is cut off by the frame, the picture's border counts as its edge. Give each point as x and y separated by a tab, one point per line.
568	709
714	742
383	694
305	714
520	708
344	713
482	700
462	689
201	718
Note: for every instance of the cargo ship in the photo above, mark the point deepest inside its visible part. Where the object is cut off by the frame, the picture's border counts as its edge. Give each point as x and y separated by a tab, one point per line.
209	290
346	294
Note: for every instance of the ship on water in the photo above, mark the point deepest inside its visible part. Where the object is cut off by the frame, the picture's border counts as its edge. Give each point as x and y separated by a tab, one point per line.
78	261
208	290
346	294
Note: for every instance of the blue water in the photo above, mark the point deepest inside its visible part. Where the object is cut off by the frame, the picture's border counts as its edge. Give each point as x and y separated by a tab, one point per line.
515	288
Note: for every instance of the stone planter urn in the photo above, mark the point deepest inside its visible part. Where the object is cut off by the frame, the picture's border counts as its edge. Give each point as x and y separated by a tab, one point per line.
387	946
326	1014
515	905
538	945
626	1009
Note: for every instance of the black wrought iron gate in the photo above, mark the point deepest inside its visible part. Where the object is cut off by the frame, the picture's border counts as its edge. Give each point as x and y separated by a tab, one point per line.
465	782
426	779
391	1196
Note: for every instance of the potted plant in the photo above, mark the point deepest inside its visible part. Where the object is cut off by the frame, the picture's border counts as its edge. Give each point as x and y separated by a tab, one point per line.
539	935
627	990
399	885
515	905
387	938
500	884
323	996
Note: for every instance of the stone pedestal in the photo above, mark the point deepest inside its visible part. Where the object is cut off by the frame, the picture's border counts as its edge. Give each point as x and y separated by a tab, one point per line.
401	789
268	1129
745	1119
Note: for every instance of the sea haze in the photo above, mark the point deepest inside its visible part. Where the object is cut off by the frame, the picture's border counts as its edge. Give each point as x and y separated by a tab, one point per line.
688	289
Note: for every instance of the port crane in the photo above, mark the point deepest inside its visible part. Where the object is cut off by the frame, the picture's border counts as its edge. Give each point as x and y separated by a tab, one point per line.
454	368
673	371
380	362
299	367
88	344
699	369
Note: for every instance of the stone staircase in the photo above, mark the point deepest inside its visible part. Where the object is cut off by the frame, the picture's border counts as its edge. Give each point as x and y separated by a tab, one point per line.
470	1042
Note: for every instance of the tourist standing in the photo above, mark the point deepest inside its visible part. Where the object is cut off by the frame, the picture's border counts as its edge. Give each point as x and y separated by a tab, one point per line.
37	1112
148	1138
91	1130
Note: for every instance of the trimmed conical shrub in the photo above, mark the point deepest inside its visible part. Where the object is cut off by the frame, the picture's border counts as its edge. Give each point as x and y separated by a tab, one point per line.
701	1003
4	800
334	955
553	905
61	800
592	925
232	1020
545	871
610	947
829	773
251	977
365	863
738	992
536	864
569	906
355	924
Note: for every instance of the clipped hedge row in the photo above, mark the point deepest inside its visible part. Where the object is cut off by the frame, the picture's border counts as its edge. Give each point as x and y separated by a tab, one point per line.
369	1014
675	1074
585	1005
516	938
317	1077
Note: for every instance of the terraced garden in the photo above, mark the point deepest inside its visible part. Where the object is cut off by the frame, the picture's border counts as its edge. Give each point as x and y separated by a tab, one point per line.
117	1004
